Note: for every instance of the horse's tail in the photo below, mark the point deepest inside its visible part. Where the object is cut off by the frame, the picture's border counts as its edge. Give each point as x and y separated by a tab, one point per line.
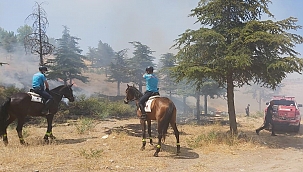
166	119
4	115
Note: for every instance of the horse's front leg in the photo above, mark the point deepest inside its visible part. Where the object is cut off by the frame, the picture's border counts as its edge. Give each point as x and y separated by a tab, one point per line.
149	132
49	133
19	130
143	125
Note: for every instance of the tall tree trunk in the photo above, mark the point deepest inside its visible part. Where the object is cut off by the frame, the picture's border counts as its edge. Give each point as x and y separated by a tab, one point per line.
140	87
118	88
231	105
260	100
184	105
230	81
198	106
40	37
205	104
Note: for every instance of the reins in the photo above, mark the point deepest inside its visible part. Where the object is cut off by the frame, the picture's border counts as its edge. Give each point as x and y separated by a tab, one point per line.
58	93
137	94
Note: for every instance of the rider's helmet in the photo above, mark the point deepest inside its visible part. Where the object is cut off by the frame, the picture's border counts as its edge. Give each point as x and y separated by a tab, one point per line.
42	68
149	69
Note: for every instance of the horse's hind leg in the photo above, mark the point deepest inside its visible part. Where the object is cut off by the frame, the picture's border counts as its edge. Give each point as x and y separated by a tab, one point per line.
174	126
159	143
19	130
143	125
9	121
149	132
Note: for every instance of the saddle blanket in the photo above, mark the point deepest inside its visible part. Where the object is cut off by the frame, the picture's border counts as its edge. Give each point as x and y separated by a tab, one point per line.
35	97
148	103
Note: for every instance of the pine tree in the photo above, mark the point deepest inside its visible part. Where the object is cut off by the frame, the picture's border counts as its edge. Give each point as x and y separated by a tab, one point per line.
235	47
167	82
139	62
118	70
68	62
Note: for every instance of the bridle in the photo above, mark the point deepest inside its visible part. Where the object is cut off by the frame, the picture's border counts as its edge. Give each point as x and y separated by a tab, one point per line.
59	93
137	94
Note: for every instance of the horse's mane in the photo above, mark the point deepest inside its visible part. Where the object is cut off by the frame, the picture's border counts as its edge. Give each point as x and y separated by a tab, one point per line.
59	88
137	92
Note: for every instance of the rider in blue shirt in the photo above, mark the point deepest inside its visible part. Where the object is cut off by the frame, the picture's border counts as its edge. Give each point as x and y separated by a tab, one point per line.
38	82
151	88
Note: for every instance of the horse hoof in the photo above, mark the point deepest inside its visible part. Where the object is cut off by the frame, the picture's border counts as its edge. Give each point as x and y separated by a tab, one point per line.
52	137
156	154
142	148
5	143
46	141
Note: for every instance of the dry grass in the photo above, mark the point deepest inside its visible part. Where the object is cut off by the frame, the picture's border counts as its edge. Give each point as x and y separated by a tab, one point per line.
91	150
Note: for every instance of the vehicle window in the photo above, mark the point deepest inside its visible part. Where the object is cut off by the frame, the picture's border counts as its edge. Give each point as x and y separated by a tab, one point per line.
284	102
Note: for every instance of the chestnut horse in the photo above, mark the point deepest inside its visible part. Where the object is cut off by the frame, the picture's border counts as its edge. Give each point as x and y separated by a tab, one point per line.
20	105
163	110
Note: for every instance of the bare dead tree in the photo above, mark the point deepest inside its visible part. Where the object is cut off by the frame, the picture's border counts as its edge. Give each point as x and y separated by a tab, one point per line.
38	42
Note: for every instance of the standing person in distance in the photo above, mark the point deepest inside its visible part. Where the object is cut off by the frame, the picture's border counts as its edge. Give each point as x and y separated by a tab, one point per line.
41	87
151	88
268	120
247	110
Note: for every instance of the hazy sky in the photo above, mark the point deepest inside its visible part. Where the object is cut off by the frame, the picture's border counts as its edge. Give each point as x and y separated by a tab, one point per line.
155	23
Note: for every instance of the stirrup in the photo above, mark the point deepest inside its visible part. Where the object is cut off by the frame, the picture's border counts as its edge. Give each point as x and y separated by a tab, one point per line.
143	117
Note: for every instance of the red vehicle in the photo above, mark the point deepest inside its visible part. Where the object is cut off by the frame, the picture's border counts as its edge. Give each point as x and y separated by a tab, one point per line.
286	113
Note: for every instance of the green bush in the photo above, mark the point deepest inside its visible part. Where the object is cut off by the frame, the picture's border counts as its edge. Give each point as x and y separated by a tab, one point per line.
98	107
6	92
82	106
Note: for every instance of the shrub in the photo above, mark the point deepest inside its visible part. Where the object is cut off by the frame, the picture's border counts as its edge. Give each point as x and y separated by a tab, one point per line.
98	107
91	153
84	125
6	92
216	137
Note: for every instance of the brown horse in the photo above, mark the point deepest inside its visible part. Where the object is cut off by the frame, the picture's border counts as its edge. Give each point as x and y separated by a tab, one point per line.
19	105
163	110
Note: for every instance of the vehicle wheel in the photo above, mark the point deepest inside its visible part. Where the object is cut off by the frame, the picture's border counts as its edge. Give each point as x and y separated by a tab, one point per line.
297	128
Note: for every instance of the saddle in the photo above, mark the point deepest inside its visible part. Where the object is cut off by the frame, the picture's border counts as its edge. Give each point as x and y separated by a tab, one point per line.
155	94
35	97
147	107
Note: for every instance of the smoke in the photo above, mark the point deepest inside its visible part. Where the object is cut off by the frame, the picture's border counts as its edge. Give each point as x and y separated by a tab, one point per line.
20	68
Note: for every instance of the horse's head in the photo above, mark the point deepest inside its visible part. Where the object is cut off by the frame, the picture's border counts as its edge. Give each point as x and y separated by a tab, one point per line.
131	93
67	92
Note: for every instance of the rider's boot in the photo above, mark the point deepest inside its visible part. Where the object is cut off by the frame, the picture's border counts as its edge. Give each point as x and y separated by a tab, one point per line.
46	107
143	113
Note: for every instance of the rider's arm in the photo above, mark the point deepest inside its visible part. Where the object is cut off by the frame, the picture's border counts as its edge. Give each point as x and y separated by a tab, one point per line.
46	84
